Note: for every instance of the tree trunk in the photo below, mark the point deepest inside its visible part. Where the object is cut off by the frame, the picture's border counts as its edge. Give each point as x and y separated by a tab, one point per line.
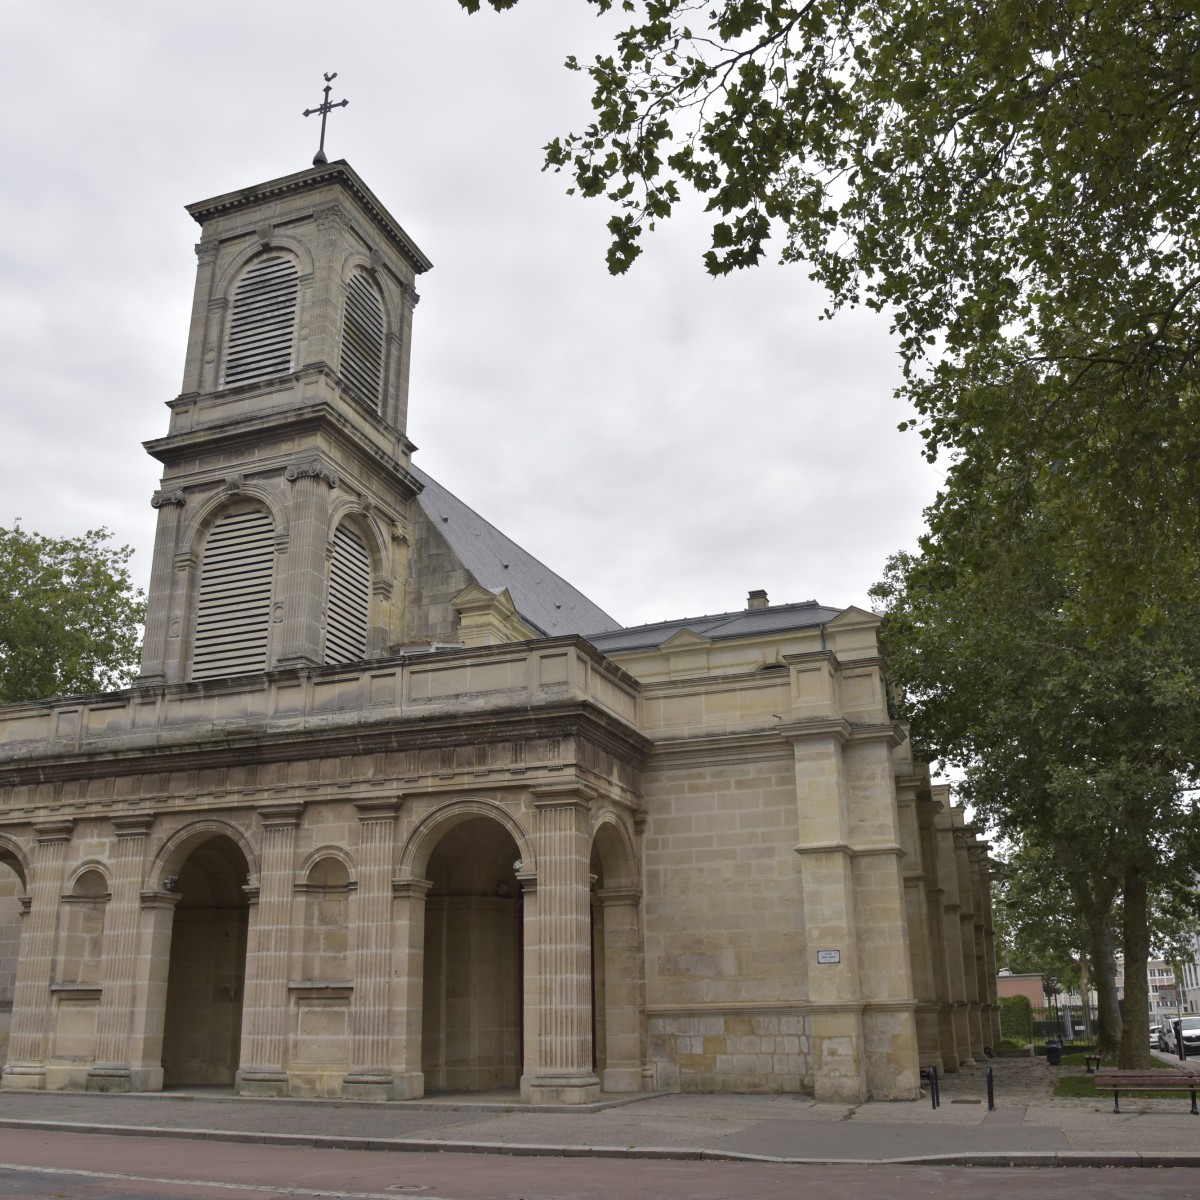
1135	1037
1097	918
1085	986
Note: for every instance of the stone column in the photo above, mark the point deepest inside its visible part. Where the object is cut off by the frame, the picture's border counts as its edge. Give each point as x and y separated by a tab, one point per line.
623	989
408	1007
111	1071
531	976
370	1075
267	1007
149	1007
562	844
827	884
305	567
157	661
927	809
28	1036
952	932
920	943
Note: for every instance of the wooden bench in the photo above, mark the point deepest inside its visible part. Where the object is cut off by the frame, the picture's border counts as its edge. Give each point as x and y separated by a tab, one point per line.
1147	1081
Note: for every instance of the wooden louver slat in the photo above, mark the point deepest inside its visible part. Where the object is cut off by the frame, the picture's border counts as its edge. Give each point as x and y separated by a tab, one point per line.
348	603
233	612
362	339
262	325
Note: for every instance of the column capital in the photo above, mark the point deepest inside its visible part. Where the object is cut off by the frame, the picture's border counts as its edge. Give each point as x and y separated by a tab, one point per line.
47	833
132	825
383	809
157	898
411	889
568	794
617	896
285	815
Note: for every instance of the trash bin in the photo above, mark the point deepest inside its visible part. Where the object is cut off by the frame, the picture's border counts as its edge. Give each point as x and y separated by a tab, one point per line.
1054	1053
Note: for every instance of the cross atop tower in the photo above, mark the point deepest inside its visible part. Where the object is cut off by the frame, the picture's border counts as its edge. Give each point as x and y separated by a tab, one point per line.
324	108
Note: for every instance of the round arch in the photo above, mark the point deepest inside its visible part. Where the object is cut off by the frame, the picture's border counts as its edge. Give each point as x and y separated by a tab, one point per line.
15	856
365	523
429	830
613	844
175	850
321	852
90	864
210	510
385	284
279	243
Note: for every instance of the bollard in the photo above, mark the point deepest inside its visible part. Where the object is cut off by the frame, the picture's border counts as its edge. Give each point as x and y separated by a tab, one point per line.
935	1087
991	1089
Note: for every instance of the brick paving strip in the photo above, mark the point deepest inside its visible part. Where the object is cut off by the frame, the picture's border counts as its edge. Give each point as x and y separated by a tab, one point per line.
1028	1128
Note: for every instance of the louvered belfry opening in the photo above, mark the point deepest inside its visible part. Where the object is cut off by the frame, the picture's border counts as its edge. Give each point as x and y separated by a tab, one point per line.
263	324
349	602
362	339
233	613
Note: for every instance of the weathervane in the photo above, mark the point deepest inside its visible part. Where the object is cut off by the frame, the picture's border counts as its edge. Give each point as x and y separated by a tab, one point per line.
324	108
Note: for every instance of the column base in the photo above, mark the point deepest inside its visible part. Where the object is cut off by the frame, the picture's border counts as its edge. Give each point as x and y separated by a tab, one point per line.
368	1085
109	1077
561	1089
623	1079
27	1077
261	1083
408	1085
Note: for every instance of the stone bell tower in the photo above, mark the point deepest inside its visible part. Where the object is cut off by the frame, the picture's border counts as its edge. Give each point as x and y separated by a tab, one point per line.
283	513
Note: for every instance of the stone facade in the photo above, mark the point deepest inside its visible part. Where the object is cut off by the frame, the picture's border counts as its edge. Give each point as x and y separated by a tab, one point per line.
393	809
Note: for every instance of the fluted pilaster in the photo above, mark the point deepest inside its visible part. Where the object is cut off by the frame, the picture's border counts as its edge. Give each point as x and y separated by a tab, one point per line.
26	1066
563	848
371	1075
111	1072
265	1013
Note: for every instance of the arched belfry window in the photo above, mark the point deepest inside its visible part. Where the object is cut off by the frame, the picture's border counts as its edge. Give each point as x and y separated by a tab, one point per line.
233	612
348	604
362	339
262	326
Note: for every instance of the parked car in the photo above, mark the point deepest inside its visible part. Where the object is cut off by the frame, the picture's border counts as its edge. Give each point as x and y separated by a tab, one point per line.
1156	1036
1187	1029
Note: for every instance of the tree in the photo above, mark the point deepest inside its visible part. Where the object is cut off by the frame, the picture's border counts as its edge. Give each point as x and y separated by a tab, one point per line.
1013	182
1083	745
69	615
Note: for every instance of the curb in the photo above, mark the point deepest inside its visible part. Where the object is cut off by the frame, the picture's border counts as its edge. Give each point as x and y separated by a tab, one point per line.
989	1158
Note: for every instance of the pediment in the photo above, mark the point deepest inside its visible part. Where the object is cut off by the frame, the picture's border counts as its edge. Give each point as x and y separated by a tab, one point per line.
686	639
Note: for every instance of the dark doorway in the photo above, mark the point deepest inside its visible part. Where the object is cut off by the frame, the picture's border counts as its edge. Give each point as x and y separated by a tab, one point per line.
472	989
207	972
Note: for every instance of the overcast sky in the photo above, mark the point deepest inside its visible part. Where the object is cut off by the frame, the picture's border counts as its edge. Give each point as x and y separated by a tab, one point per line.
665	441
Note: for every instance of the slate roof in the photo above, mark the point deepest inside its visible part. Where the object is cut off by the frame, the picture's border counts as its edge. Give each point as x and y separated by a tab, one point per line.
544	599
745	623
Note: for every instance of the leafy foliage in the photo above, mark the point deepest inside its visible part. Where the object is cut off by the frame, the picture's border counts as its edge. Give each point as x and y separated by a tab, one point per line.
1016	1018
1013	182
69	615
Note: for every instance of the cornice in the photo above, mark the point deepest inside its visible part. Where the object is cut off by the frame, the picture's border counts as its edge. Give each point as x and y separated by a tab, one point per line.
261	745
339	172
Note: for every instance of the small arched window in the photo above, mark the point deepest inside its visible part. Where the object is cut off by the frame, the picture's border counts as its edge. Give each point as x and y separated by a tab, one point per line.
233	612
362	339
348	604
262	325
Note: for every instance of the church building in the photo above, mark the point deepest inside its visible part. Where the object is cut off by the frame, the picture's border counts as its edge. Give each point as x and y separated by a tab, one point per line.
392	809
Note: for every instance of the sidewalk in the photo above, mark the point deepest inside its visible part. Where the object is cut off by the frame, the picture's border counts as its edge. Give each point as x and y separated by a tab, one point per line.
1028	1127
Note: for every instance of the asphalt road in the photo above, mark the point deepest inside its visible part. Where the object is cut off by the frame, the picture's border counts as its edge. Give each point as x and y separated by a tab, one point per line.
68	1166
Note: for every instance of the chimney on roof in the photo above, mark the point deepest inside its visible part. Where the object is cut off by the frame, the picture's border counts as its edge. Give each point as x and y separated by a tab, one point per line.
757	599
